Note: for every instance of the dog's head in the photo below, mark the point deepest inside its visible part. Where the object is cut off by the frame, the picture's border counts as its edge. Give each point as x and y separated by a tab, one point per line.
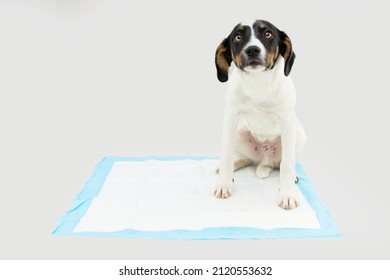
253	47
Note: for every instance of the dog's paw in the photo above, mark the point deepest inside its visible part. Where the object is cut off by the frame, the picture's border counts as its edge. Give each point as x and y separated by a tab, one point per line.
263	171
223	190
288	200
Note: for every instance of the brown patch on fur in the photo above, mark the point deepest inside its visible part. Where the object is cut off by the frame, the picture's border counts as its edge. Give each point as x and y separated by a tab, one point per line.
221	60
287	43
272	57
241	29
237	60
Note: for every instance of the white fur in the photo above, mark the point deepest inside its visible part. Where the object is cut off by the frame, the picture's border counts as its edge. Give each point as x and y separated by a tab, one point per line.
263	102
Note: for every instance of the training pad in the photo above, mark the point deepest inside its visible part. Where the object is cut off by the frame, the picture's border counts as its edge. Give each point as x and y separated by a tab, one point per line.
172	198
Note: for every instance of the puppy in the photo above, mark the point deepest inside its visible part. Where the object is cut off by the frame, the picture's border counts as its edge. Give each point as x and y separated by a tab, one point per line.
260	126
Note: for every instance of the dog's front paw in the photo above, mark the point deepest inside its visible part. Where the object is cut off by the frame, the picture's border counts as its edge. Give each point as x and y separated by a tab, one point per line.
224	190
288	200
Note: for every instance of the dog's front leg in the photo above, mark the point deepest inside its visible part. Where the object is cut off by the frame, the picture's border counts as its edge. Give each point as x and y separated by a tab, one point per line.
288	192
224	187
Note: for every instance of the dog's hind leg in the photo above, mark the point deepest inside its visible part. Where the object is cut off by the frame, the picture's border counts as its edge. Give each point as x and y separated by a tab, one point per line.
299	146
238	164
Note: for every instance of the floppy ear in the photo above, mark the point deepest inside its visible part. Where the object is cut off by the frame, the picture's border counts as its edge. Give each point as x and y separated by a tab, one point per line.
287	52
223	59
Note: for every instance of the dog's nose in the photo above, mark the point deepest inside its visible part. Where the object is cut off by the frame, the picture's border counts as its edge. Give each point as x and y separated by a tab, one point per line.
252	51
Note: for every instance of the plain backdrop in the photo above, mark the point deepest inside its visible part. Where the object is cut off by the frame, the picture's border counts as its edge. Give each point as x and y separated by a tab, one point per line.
84	79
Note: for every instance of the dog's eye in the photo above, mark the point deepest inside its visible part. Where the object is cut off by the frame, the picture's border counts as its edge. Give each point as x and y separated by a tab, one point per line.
238	38
268	35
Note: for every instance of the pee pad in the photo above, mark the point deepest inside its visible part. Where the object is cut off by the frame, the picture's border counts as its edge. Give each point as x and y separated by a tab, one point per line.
172	198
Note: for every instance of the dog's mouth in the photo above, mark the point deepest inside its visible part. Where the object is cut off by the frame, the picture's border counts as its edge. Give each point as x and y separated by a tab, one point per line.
250	64
254	63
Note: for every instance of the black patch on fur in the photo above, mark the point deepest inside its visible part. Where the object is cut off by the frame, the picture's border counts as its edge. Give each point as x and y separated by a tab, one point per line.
287	52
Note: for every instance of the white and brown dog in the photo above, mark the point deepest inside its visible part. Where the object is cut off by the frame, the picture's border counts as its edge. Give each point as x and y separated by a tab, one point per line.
260	126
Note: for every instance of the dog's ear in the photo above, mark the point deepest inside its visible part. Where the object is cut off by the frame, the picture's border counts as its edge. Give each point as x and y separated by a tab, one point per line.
223	59
287	52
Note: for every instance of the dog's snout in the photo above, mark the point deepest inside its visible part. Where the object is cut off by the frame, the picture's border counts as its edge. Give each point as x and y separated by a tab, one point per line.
252	51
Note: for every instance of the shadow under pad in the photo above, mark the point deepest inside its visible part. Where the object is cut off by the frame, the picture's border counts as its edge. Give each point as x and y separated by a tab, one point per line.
171	198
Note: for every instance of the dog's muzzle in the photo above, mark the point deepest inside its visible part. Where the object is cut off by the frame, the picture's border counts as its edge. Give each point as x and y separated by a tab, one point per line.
253	57
252	51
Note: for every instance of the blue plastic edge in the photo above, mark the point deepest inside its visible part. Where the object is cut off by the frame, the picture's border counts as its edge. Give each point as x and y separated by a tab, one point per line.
83	200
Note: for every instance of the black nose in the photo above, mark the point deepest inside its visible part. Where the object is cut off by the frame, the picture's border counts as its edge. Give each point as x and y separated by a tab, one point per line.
252	51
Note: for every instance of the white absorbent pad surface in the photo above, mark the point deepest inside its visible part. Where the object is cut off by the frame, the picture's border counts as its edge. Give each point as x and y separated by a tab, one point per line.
173	199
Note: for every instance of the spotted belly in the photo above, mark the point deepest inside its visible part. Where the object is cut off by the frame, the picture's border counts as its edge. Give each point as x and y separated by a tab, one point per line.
264	150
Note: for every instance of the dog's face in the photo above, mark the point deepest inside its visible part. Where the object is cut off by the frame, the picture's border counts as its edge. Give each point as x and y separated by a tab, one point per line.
253	47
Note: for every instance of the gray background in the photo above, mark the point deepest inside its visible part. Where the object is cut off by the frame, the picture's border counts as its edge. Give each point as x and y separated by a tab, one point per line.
80	80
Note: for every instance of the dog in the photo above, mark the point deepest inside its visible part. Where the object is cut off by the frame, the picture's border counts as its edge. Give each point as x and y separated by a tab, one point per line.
260	126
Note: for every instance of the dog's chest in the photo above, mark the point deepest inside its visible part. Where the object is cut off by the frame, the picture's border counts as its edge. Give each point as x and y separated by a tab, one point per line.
258	93
260	119
260	101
